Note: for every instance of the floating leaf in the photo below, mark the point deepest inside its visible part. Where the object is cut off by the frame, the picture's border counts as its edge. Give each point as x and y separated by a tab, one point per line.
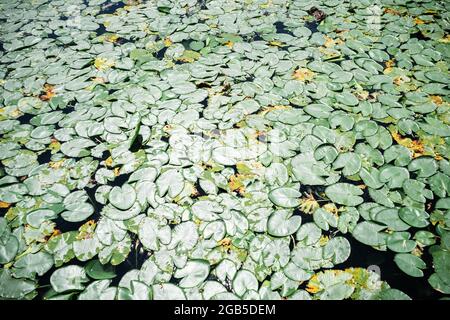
414	217
244	281
193	273
123	197
369	233
167	291
98	290
281	223
344	193
410	264
71	277
31	264
12	288
285	197
98	271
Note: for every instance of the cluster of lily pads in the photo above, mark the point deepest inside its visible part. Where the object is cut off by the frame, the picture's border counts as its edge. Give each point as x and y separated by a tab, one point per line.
234	147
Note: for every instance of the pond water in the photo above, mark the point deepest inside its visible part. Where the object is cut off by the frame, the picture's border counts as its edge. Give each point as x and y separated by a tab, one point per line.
259	150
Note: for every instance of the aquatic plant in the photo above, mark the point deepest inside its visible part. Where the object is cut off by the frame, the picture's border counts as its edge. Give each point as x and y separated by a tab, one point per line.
191	150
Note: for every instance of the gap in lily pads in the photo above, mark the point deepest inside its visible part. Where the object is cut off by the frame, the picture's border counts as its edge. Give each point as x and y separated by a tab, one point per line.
137	144
175	281
281	28
97	205
25	119
44	157
105	155
120	180
212	277
306	217
52	35
165	139
101	30
203	85
111	7
66	226
257	37
135	259
202	4
419	36
365	256
200	192
160	54
312	26
70	107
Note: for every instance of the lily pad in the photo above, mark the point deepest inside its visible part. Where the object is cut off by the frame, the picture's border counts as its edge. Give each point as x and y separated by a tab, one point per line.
344	193
123	197
67	278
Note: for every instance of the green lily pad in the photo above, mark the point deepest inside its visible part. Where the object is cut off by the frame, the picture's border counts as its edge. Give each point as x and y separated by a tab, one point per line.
123	197
281	223
344	193
410	264
285	197
67	278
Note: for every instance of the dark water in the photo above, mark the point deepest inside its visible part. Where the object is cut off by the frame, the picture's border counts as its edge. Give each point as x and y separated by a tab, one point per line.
281	28
312	26
365	256
419	36
160	53
137	144
111	7
44	157
68	109
257	37
101	30
25	119
52	35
